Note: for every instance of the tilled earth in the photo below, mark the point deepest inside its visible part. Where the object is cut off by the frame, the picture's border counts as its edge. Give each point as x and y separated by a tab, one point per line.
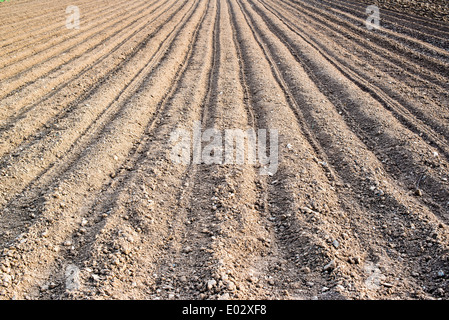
434	9
93	207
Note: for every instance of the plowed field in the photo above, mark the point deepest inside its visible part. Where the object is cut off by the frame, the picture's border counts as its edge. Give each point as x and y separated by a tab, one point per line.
92	205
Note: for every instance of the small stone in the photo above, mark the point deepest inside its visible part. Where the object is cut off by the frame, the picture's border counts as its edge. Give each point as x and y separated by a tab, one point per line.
68	243
336	244
6	278
44	287
187	249
354	260
307	210
95	277
230	286
418	192
224	296
5	269
440	273
211	284
330	266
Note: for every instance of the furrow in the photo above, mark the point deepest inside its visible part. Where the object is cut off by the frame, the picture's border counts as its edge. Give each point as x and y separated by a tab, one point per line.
138	224
394	202
125	127
22	40
381	135
300	181
98	108
423	54
41	63
436	37
74	90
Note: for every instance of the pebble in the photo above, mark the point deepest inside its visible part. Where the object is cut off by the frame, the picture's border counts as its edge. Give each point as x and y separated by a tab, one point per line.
6	278
187	249
336	244
211	284
230	286
307	210
354	260
330	266
5	269
387	284
45	287
440	273
95	277
224	297
306	270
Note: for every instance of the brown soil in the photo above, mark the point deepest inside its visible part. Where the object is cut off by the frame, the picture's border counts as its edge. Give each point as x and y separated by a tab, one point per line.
434	9
92	207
